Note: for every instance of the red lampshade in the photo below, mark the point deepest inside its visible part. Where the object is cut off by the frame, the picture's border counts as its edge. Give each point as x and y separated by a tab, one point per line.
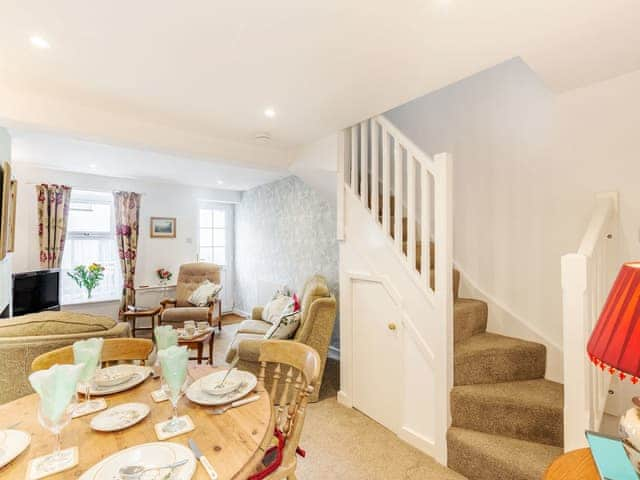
615	342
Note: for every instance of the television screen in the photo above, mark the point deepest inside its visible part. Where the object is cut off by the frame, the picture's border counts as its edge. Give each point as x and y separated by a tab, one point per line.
36	291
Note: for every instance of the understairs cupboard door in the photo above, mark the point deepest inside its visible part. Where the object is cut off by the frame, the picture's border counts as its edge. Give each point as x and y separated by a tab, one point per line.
377	354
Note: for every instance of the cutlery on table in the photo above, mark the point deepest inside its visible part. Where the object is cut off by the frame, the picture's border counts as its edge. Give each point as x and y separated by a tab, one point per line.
237	403
134	472
12	426
203	460
231	367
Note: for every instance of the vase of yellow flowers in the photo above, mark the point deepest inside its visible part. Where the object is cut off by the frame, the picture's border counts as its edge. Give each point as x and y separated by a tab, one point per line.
87	277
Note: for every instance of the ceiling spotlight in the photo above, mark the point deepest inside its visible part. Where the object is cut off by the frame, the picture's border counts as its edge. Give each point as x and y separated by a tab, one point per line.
39	42
219	182
93	166
270	113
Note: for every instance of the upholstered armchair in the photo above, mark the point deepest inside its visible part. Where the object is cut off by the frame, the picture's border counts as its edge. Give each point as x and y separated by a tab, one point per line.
190	276
318	315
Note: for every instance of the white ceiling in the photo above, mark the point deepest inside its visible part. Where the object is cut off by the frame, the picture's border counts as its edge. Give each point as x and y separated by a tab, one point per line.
64	153
195	77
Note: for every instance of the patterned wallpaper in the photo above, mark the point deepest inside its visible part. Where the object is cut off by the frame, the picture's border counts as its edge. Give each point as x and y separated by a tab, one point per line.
285	232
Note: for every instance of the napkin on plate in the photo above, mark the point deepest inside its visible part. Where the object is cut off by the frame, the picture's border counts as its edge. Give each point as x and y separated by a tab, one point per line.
174	361
56	386
166	336
87	352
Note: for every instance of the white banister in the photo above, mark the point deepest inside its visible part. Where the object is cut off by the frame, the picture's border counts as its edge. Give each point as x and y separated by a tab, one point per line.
354	158
397	193
425	226
586	277
411	211
364	163
386	181
375	185
379	153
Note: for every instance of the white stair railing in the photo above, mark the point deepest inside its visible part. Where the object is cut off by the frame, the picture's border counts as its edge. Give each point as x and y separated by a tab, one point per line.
408	194
587	276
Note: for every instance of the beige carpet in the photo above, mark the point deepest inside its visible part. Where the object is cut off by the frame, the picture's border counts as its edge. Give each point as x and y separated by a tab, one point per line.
342	443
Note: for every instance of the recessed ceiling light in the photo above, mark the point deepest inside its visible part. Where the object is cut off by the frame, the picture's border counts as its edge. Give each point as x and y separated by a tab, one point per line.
92	166
219	182
270	112
39	42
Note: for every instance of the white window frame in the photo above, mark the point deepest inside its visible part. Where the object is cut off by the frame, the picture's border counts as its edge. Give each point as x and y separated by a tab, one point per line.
227	270
111	235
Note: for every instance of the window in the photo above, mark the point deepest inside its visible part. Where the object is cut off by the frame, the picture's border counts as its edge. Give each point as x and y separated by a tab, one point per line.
213	235
91	238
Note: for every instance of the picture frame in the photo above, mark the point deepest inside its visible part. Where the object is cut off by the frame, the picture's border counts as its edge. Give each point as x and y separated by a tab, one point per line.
163	227
5	188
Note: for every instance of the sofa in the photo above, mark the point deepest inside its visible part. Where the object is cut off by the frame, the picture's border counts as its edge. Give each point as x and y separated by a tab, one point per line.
318	315
24	338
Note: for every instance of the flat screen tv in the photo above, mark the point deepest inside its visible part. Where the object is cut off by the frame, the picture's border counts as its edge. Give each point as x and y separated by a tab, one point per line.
36	291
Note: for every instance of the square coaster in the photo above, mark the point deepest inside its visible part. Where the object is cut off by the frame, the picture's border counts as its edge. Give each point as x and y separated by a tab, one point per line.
159	396
36	468
162	435
97	404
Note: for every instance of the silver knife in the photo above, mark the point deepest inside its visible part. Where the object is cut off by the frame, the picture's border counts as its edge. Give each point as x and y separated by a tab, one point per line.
203	460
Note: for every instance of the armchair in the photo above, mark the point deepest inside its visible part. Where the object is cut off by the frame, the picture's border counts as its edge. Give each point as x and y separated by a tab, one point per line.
318	315
190	276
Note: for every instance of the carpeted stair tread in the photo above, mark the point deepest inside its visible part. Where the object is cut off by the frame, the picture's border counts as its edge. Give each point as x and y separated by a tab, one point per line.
527	410
491	358
469	318
482	456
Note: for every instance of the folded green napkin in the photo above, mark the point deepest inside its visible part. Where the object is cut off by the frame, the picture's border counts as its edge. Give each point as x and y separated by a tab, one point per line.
166	336
88	353
56	386
174	361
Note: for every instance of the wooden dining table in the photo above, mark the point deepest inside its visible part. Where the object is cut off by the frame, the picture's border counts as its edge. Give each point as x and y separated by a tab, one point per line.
234	442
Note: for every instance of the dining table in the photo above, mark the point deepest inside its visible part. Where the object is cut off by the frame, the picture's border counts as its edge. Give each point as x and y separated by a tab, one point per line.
234	442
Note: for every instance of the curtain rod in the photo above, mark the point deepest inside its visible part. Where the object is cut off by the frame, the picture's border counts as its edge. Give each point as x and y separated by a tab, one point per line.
84	189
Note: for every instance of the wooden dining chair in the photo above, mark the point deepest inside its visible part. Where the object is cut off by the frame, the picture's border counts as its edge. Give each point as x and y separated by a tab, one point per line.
299	365
113	350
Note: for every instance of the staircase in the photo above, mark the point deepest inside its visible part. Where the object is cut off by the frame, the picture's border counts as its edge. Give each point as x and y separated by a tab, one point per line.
507	420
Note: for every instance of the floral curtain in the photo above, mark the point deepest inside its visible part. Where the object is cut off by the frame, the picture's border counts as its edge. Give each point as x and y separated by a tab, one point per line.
127	210
53	213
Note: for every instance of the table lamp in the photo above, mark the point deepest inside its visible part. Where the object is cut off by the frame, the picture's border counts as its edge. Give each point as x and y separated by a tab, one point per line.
614	346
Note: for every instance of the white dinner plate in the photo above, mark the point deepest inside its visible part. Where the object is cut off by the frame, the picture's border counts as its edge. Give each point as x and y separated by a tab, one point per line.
199	396
120	417
155	454
15	442
139	375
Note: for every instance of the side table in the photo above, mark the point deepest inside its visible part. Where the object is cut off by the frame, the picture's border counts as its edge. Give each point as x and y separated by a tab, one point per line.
197	343
132	315
574	465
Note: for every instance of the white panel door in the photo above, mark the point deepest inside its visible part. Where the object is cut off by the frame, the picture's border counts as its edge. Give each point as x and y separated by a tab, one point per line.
377	354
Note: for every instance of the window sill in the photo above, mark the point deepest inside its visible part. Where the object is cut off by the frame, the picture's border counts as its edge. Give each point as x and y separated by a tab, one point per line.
88	301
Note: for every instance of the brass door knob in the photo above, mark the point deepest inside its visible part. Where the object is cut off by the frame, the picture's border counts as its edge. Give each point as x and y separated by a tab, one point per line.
392	326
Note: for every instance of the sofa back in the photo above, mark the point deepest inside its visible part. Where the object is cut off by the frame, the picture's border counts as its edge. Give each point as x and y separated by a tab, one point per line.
190	276
24	338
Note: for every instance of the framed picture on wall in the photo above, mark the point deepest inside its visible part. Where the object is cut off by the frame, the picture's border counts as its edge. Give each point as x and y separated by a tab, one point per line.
5	188
163	227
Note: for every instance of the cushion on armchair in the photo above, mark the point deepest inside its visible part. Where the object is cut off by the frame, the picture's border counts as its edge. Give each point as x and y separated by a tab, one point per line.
254	326
204	294
274	309
198	314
